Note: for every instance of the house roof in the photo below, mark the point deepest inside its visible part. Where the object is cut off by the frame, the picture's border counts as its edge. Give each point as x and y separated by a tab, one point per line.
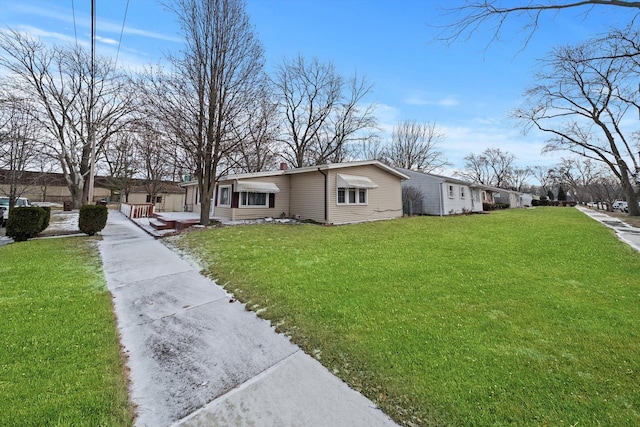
441	177
306	169
57	179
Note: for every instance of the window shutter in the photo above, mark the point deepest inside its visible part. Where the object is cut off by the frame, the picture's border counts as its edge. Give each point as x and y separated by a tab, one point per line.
235	199
272	200
215	196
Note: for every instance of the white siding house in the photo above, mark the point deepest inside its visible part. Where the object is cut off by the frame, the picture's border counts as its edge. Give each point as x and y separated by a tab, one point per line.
442	195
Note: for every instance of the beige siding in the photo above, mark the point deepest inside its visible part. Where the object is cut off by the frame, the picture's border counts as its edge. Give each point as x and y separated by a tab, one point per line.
170	202
51	193
384	202
281	202
190	199
307	196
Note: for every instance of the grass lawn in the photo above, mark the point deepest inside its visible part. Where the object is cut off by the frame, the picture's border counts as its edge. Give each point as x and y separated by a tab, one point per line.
518	317
60	360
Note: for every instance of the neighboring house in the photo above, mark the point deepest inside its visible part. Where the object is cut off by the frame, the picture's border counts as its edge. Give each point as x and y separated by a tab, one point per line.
52	187
493	195
442	195
170	198
526	200
337	193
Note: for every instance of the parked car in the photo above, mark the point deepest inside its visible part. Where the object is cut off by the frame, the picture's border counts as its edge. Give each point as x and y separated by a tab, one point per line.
4	207
620	206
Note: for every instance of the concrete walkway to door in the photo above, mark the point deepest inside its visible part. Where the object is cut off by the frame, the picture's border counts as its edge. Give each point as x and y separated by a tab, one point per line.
197	359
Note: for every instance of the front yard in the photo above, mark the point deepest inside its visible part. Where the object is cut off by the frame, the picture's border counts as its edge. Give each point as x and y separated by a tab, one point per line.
60	361
518	317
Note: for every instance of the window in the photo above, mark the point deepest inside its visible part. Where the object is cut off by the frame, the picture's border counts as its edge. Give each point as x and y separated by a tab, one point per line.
341	199
352	196
451	193
254	199
224	196
462	192
362	195
158	199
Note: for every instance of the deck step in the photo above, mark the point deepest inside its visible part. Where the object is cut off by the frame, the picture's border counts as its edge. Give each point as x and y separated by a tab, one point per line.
159	224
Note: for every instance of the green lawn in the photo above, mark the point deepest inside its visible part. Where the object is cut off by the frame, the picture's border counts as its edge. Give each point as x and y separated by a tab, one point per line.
60	361
518	317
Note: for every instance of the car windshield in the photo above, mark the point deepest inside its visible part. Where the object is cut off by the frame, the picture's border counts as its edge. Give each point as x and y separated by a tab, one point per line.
4	201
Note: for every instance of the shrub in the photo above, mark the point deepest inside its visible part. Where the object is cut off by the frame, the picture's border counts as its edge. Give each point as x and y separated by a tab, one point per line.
535	202
46	217
92	218
25	222
562	195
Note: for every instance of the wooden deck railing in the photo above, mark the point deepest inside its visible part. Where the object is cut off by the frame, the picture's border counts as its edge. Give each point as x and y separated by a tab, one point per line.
133	211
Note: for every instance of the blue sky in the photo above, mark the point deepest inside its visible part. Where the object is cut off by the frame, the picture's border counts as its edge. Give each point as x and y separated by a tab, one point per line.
467	88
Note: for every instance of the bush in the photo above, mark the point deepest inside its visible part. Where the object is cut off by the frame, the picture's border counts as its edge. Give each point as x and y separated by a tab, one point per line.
25	222
46	217
92	218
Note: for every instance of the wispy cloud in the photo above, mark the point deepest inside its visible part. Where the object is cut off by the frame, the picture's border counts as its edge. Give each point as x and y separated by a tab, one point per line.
83	21
447	101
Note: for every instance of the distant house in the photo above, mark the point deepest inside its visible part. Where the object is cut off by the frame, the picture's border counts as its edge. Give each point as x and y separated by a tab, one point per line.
336	193
494	195
52	187
442	195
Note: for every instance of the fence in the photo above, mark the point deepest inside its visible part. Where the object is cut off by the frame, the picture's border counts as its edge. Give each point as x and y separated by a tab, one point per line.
143	210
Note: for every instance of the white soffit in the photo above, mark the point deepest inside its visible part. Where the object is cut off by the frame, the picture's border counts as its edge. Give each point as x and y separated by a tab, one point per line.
257	187
354	181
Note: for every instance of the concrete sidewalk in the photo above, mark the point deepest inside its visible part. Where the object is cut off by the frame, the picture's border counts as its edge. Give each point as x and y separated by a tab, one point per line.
628	234
196	359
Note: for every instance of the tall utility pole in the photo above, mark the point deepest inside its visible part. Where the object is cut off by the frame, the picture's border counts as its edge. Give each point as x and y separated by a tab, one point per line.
92	134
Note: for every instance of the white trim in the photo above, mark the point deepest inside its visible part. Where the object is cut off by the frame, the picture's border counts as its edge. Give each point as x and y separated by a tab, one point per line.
355	181
229	195
241	203
256	187
356	193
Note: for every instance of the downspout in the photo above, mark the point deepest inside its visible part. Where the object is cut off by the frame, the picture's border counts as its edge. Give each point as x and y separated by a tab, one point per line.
326	196
441	199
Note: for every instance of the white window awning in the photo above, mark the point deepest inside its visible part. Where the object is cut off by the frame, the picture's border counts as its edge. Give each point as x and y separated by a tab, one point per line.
354	181
257	187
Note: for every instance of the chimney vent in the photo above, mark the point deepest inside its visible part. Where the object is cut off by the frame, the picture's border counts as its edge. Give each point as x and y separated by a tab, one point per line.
283	166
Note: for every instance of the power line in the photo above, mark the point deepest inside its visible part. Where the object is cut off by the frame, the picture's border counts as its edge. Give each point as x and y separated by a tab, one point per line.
126	10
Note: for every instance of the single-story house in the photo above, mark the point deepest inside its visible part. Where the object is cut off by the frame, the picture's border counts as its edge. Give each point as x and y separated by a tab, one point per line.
493	195
52	187
441	195
170	198
336	193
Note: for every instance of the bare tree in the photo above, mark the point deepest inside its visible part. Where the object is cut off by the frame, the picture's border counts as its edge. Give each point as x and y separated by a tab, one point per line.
154	157
543	175
518	177
120	162
257	136
606	189
58	82
492	167
473	16
578	175
323	113
415	146
582	102
18	147
205	96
